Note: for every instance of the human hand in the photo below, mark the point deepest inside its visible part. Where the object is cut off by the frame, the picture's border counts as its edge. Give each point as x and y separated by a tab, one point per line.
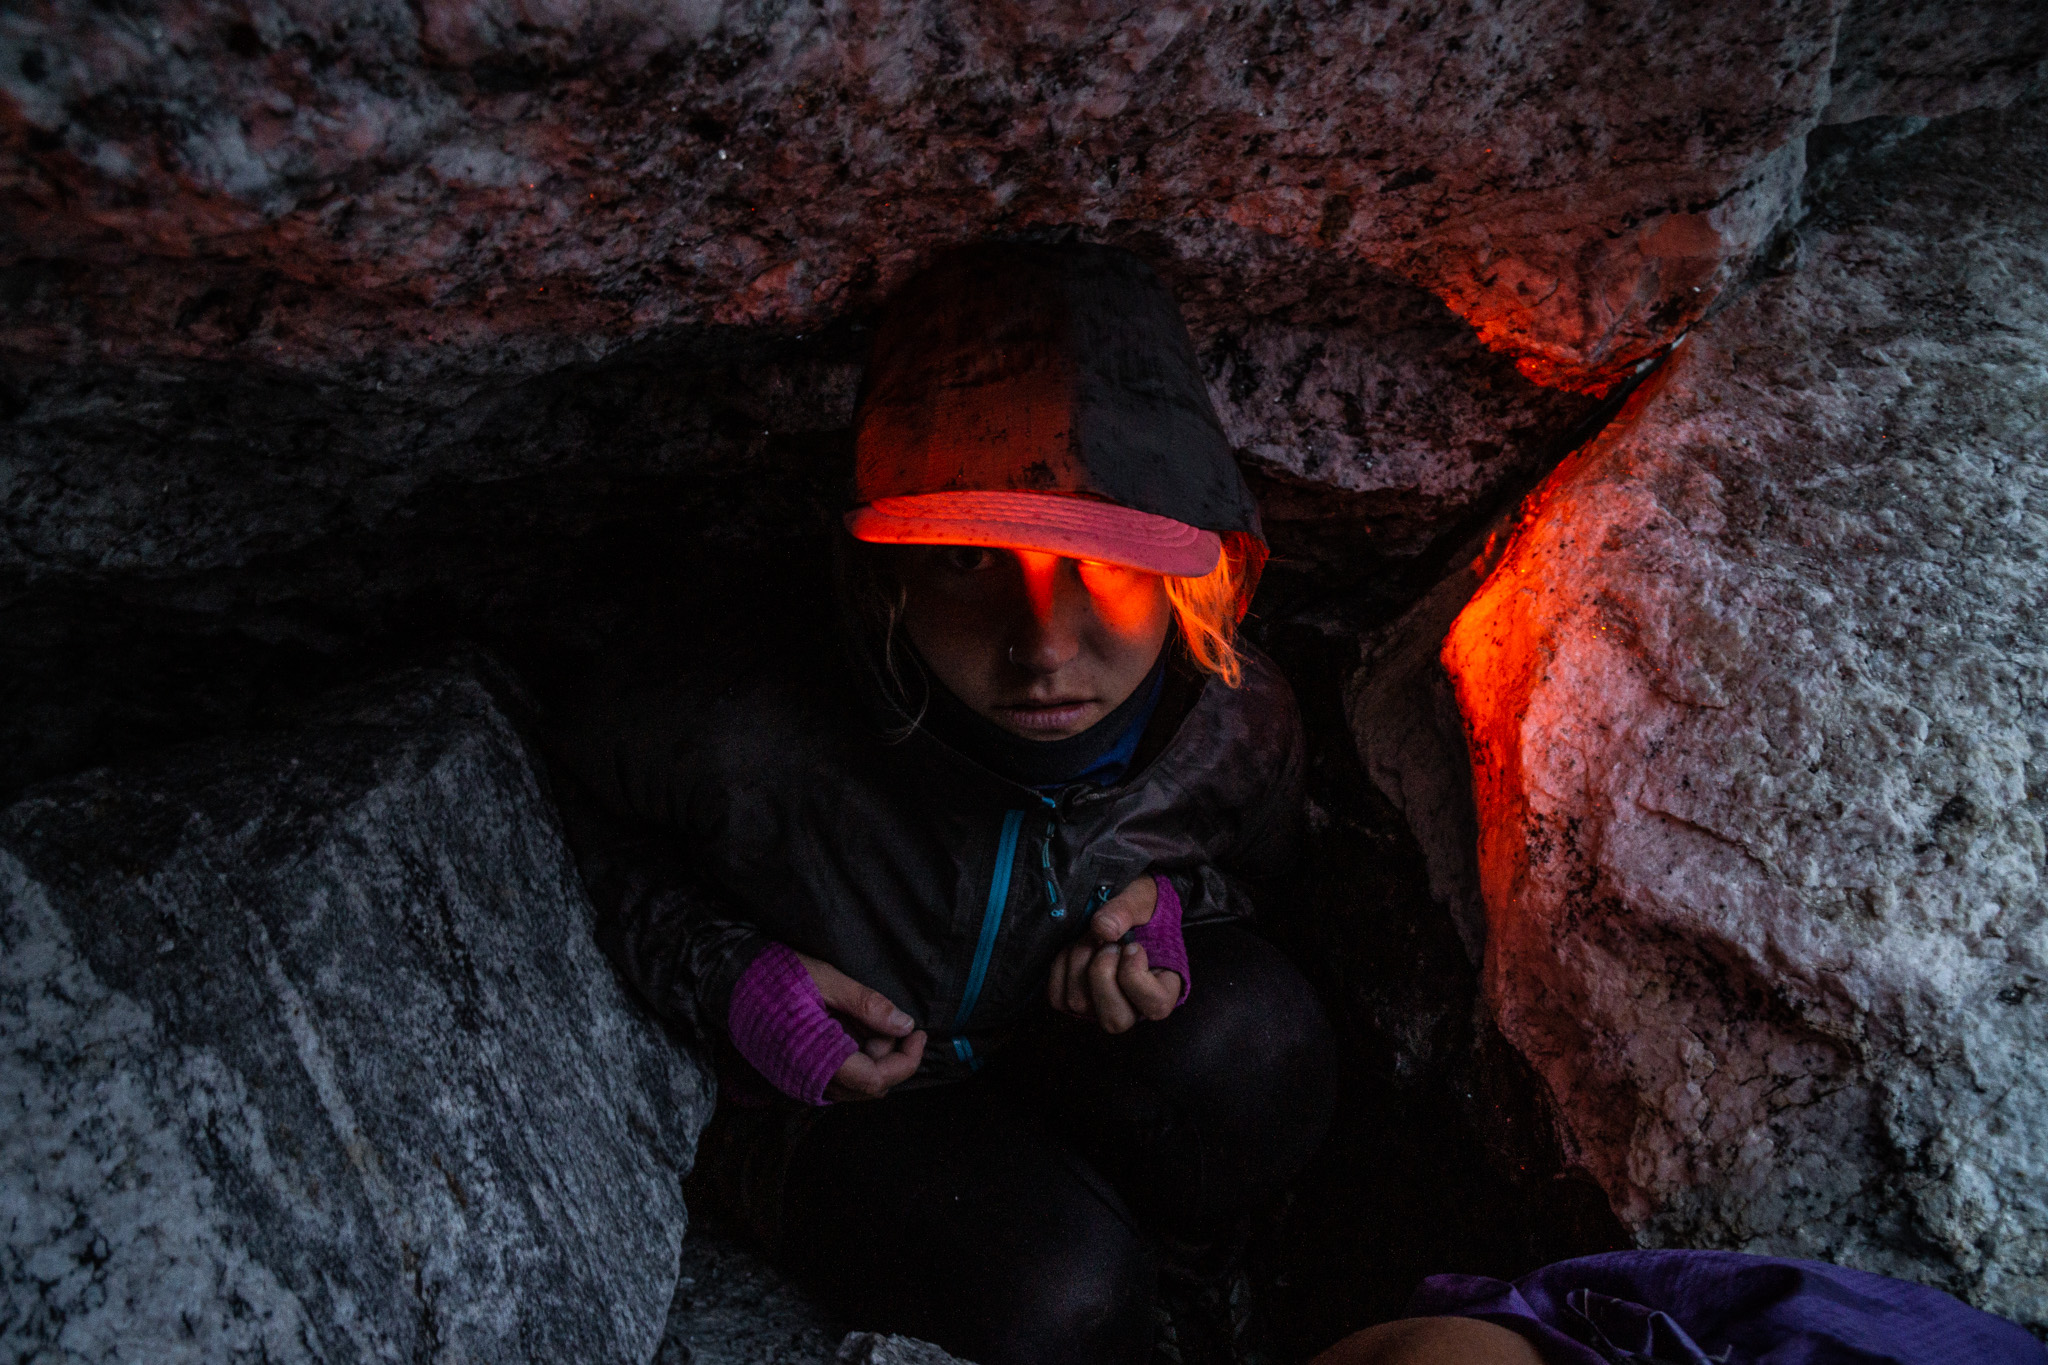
891	1044
1110	982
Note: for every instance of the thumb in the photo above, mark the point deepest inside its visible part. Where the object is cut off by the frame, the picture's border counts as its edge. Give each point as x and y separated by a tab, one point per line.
864	1004
1126	910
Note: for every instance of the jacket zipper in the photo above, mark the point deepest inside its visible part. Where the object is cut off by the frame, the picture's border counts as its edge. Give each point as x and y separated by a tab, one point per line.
1056	907
991	921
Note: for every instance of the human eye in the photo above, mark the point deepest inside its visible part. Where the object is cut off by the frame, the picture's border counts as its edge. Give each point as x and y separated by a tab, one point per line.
1102	577
967	558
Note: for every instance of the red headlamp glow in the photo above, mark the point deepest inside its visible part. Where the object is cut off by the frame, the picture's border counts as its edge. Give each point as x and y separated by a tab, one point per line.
1051	523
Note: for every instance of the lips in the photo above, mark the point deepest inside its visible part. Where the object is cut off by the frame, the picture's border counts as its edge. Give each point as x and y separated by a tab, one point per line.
1061	714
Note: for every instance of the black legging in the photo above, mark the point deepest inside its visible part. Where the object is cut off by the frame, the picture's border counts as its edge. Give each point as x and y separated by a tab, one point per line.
1006	1217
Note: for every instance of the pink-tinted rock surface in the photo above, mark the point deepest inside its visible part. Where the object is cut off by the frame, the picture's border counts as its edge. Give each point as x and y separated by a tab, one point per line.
382	189
1757	700
269	268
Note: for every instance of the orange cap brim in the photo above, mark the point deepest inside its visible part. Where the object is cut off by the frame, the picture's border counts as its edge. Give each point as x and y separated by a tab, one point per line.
1051	523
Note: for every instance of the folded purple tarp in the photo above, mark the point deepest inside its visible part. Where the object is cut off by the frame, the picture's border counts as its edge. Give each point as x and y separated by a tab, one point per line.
1723	1308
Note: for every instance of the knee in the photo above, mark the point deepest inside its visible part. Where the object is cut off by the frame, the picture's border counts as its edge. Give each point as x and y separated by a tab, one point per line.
1432	1341
1088	1304
1259	1021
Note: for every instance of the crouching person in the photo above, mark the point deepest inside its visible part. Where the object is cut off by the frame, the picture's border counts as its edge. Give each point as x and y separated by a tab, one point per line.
960	880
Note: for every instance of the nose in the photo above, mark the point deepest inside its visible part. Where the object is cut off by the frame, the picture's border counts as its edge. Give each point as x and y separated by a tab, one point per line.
1047	638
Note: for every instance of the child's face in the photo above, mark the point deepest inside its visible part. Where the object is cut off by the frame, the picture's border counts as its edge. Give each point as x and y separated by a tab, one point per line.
1042	645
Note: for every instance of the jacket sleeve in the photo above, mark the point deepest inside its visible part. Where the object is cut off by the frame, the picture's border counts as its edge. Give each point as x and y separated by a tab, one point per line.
681	942
1269	837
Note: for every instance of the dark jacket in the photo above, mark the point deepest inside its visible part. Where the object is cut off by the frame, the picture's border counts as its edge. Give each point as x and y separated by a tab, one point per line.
781	800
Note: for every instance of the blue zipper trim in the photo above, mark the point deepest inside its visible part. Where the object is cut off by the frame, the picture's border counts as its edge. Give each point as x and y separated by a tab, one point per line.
1053	903
991	918
964	1050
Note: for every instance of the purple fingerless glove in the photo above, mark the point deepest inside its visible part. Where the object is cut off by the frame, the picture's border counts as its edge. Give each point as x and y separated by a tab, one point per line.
1165	949
778	1023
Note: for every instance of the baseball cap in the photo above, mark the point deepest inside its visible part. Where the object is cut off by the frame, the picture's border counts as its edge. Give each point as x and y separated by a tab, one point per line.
1044	398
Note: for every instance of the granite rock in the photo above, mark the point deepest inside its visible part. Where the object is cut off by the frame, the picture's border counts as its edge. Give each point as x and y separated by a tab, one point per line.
382	191
178	540
1932	58
734	1308
276	274
178	550
1392	409
1755	705
1404	718
309	1056
872	1348
1387	424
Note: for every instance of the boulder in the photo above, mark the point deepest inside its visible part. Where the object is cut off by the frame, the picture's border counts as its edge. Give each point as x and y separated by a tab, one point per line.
1757	708
1404	718
321	317
1376	429
1931	58
382	191
873	1348
1390	412
733	1308
309	1056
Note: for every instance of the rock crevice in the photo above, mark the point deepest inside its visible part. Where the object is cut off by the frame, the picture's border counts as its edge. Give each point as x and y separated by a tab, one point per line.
1753	705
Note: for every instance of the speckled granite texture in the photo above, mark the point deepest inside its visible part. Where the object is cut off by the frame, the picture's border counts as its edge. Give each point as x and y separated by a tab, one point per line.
309	1056
1758	707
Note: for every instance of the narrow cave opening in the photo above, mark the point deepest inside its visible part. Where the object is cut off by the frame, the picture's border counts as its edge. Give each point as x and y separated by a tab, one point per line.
218	546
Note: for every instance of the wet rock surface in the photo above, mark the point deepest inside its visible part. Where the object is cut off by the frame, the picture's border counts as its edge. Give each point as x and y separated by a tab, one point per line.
1755	702
310	1056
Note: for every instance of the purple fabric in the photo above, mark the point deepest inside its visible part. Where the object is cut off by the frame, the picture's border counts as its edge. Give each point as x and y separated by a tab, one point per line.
1165	949
778	1023
1696	1307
